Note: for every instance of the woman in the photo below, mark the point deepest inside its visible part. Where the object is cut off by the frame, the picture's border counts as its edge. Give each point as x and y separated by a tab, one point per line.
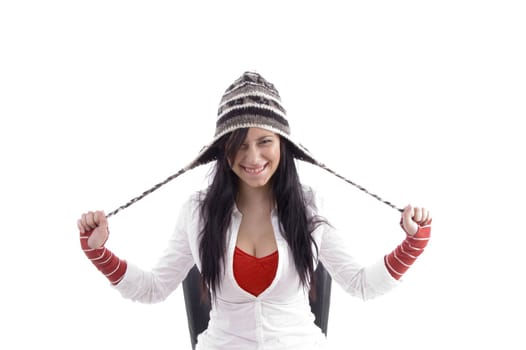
254	234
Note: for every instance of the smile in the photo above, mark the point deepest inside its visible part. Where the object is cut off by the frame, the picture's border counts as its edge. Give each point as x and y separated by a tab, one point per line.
255	171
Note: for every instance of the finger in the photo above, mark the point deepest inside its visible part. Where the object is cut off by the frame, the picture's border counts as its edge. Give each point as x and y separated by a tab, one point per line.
408	213
81	226
417	216
90	220
100	219
429	218
83	222
408	225
425	215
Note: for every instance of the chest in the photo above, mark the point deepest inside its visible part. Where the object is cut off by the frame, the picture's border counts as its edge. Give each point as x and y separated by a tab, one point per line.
284	287
256	235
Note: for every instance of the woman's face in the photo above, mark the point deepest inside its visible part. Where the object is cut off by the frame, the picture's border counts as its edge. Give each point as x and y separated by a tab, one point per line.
258	157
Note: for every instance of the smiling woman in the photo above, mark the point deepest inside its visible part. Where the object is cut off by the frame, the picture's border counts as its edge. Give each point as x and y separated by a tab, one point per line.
258	157
255	234
254	163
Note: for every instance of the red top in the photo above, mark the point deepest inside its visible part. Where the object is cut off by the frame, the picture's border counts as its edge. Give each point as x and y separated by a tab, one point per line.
254	274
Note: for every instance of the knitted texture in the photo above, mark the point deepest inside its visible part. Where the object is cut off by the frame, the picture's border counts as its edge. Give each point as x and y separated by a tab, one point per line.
104	260
401	259
251	101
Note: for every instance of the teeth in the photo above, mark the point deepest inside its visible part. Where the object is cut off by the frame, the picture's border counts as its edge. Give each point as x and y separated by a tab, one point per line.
254	170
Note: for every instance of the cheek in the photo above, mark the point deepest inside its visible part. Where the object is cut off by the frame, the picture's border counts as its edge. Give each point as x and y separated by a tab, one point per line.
235	161
275	155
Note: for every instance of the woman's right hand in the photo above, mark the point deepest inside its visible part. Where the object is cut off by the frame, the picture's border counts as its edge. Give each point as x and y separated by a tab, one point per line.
94	225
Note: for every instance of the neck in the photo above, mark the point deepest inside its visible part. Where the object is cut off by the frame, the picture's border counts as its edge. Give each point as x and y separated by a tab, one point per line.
259	198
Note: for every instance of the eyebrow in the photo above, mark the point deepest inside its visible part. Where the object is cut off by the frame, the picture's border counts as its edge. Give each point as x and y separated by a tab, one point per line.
262	137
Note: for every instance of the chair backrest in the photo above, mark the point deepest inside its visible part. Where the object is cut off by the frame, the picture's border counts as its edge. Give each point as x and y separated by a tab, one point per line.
198	311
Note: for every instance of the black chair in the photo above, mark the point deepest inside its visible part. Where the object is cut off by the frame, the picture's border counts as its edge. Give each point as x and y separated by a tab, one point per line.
198	310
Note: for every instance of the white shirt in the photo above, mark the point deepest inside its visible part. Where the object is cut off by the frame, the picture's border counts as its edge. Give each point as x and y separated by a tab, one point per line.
280	317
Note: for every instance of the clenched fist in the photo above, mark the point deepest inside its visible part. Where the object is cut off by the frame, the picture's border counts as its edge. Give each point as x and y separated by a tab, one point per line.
94	225
413	218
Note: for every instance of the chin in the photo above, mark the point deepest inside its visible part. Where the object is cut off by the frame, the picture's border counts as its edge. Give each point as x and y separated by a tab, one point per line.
257	184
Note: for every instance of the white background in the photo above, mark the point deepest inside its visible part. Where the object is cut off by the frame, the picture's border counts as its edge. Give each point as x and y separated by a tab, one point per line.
420	102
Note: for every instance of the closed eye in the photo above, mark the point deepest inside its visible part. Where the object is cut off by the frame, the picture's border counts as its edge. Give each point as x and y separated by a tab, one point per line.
265	141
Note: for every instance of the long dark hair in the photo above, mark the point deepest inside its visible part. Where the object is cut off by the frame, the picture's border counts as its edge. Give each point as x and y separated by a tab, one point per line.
218	204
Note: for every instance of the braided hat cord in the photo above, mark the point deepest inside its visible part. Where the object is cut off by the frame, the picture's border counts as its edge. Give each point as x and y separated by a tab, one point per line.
361	188
251	101
147	192
182	171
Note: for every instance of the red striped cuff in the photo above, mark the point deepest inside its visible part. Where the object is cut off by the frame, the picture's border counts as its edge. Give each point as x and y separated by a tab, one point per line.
104	260
400	259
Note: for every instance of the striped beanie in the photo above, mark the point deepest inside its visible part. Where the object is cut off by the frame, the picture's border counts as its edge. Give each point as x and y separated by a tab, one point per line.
250	102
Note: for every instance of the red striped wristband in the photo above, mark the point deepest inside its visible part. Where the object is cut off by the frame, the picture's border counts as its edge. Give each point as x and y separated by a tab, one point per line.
104	260
401	259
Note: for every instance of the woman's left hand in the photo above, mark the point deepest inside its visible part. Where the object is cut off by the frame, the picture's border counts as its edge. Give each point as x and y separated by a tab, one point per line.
413	218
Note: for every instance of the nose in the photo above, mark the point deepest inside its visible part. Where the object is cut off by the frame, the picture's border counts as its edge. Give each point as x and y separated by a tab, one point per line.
252	155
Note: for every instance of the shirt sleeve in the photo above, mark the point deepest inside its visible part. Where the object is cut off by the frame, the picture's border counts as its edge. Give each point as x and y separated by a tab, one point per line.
172	267
365	282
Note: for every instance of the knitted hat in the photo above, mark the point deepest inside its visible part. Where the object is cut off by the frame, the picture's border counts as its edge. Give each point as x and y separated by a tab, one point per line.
250	102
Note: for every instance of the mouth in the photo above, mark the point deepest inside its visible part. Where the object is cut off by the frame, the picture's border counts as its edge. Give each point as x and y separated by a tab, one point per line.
254	170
